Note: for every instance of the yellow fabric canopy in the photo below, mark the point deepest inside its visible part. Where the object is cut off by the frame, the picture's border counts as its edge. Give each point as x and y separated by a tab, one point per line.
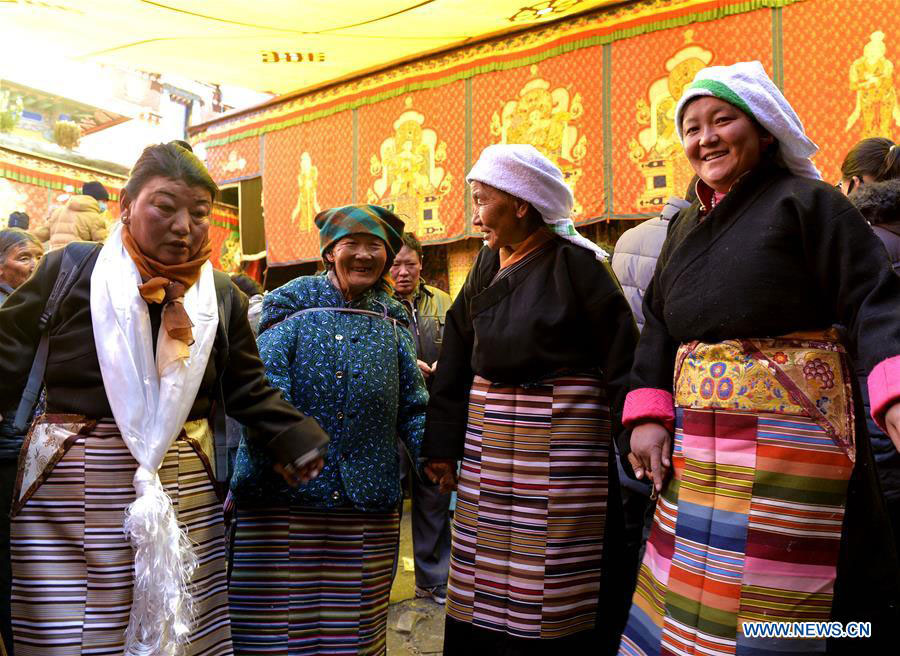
270	45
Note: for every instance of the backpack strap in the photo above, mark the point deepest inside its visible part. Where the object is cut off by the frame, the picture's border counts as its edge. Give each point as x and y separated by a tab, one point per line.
74	258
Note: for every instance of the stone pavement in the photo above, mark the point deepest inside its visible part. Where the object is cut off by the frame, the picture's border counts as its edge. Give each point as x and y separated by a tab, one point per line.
415	626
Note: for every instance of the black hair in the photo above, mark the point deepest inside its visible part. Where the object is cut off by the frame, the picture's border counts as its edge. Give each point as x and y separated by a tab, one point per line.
412	243
175	160
876	157
19	220
13	237
246	284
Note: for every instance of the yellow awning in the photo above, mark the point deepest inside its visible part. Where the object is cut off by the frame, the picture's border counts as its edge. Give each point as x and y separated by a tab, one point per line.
269	45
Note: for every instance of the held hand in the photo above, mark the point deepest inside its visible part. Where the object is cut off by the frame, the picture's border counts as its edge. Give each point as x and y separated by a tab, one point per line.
294	477
426	369
892	424
442	473
651	449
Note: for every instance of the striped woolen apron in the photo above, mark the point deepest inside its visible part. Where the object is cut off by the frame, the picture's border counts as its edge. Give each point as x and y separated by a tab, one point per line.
307	581
72	566
748	528
530	515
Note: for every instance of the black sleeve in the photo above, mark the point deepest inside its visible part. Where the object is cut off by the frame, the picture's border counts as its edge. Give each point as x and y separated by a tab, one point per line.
252	401
654	359
445	420
614	332
19	336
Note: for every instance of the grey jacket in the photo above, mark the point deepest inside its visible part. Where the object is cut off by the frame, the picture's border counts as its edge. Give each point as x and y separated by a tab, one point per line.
634	259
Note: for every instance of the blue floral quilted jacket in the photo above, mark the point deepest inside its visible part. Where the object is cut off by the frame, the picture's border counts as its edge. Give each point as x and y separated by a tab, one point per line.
357	375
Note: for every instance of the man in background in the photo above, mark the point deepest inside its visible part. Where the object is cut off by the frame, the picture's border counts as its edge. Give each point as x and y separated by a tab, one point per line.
427	307
81	218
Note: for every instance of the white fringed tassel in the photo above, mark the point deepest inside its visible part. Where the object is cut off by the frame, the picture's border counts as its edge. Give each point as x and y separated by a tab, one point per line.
164	564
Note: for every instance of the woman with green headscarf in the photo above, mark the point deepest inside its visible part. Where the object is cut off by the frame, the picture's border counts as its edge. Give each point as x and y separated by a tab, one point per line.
312	564
772	511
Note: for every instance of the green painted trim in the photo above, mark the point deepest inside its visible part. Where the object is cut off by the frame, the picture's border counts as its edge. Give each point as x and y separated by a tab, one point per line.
467	199
262	154
46	184
490	67
354	184
606	77
778	46
722	91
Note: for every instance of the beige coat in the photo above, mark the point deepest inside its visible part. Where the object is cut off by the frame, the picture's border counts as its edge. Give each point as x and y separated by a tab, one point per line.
78	219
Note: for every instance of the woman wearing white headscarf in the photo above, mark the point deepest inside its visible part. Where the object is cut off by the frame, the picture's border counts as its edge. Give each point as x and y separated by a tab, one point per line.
536	352
772	512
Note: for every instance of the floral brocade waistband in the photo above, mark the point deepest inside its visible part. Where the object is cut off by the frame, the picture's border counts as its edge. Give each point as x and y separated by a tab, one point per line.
806	374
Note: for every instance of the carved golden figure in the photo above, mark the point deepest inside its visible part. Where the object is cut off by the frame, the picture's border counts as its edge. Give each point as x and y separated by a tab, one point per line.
657	151
410	182
307	200
544	118
872	78
230	255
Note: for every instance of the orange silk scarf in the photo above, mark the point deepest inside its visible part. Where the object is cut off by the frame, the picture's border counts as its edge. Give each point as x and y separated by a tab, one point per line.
167	284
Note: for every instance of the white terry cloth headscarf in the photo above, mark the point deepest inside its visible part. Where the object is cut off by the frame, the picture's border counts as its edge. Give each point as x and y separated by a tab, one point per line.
520	170
747	86
150	409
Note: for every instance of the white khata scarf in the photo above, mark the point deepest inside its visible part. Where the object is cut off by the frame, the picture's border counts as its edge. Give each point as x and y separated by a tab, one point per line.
521	170
150	408
747	86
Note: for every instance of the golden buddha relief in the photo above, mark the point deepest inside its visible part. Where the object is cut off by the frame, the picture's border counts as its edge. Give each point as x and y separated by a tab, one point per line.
235	163
546	118
657	150
230	255
872	80
410	181
307	200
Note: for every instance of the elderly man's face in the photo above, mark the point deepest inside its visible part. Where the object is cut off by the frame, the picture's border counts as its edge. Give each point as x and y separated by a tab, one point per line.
405	271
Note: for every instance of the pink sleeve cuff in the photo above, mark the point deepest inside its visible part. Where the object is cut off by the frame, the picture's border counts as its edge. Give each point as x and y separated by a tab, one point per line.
884	388
649	404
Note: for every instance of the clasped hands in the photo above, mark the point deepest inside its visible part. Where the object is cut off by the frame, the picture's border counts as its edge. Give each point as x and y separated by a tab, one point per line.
442	473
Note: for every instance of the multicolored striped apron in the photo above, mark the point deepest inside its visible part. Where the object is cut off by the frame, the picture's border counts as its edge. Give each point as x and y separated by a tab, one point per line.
73	568
308	581
748	528
530	516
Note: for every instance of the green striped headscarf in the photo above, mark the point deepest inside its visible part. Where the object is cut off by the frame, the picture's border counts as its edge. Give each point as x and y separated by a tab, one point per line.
747	86
339	222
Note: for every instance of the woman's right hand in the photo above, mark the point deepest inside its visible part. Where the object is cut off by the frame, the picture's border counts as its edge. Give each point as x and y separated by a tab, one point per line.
294	477
651	453
442	473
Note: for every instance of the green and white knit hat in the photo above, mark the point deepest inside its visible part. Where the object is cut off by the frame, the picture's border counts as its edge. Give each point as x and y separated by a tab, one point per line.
747	86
